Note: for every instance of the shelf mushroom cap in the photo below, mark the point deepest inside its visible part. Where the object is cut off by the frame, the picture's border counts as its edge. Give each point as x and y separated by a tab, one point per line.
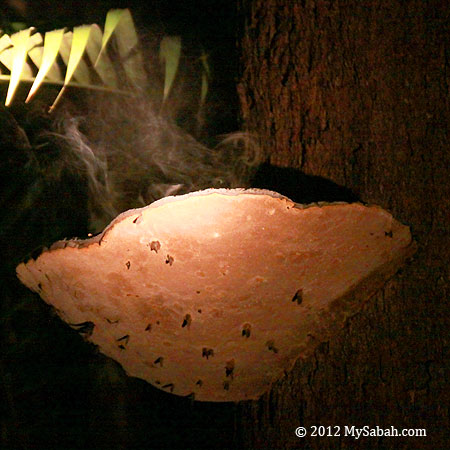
217	293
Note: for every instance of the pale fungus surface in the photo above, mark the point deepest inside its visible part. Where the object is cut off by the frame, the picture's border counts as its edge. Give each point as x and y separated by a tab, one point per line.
217	293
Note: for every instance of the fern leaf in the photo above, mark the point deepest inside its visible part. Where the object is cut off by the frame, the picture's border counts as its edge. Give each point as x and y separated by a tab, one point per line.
103	65
21	42
121	23
170	52
44	58
76	67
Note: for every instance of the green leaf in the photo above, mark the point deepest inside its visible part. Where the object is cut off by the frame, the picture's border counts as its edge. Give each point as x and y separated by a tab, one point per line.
84	54
112	20
8	48
103	66
76	67
44	58
170	52
75	63
5	46
20	43
121	24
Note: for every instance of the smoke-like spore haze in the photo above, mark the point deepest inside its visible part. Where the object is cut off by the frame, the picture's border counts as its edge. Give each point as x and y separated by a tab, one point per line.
131	155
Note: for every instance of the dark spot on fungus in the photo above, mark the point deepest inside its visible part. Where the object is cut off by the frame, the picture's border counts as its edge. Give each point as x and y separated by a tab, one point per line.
122	347
128	264
246	330
229	368
199	311
40	286
86	328
138	219
155	246
168	386
169	260
157	322
199	383
125	338
187	321
159	361
148	327
112	322
226	385
271	346
157	382
207	352
298	297
388	233
198	292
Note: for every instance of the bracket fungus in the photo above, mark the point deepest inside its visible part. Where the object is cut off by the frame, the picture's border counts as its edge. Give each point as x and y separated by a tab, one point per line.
215	294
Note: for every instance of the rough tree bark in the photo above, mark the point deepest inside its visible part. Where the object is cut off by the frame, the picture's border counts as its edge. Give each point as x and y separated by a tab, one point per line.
357	92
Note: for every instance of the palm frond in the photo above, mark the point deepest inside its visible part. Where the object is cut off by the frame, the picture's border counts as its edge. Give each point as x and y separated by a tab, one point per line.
86	57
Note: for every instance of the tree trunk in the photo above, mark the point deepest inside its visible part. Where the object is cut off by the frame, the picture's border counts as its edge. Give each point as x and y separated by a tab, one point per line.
357	92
